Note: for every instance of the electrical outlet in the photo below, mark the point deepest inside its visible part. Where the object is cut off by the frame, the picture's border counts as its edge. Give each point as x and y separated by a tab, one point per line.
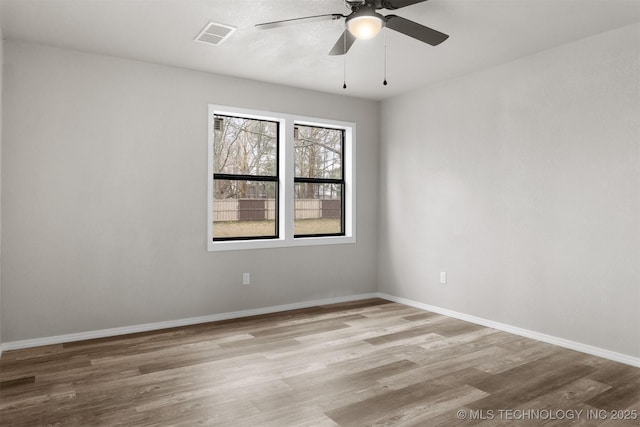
443	277
246	278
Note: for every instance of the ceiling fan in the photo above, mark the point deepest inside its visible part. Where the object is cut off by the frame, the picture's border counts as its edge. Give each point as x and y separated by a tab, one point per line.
364	22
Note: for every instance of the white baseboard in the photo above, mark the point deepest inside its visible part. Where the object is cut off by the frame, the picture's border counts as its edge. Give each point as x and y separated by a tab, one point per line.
102	333
561	342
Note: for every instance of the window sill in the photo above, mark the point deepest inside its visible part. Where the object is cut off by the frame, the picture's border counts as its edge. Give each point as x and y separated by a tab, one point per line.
239	245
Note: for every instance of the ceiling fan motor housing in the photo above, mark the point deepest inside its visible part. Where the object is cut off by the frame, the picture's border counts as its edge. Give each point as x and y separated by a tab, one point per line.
364	22
376	4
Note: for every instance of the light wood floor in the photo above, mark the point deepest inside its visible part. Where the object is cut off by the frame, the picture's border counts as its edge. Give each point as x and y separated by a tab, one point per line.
354	364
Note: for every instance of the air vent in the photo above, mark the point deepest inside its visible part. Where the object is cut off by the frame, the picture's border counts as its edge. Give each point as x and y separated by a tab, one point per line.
214	33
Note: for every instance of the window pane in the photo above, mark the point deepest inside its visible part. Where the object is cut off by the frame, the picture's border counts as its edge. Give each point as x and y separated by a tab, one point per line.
318	152
318	209
245	146
244	209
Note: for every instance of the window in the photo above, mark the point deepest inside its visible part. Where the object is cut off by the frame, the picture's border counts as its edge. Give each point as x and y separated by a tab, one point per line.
319	182
245	178
279	180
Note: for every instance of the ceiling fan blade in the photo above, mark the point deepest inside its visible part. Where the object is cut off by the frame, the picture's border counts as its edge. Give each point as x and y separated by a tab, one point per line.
415	30
397	4
276	24
339	47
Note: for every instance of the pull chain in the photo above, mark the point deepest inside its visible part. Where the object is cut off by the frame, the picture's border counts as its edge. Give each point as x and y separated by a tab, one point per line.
344	70
384	31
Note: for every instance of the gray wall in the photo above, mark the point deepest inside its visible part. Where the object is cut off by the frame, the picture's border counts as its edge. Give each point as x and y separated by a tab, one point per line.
1	61
522	182
105	197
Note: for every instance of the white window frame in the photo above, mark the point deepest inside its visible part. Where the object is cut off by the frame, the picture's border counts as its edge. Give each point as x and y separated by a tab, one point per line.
286	181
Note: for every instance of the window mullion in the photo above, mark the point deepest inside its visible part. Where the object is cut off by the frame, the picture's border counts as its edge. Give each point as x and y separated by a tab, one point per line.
287	167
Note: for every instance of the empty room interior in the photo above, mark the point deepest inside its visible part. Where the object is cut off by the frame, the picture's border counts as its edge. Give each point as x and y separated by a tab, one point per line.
319	213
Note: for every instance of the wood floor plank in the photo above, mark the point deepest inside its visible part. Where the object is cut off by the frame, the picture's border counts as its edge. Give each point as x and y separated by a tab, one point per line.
617	397
367	412
517	393
402	335
17	382
359	363
420	413
440	366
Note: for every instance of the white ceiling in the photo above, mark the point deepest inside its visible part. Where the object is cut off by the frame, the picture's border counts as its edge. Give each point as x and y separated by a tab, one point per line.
483	33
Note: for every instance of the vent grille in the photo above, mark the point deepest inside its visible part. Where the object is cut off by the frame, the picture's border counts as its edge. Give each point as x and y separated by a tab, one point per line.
214	33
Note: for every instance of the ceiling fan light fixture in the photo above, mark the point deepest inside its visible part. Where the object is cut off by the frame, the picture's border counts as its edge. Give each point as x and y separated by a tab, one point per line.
365	24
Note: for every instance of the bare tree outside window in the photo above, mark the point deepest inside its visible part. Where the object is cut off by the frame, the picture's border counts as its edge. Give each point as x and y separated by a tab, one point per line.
319	181
245	163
